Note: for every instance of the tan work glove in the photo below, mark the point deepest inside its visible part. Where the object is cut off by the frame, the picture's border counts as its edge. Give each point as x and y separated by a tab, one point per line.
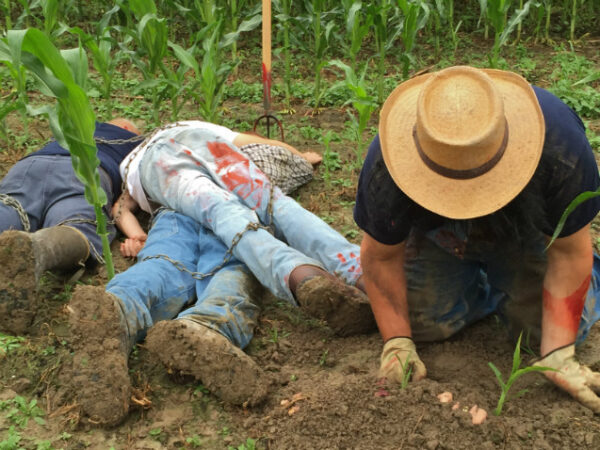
575	378
398	357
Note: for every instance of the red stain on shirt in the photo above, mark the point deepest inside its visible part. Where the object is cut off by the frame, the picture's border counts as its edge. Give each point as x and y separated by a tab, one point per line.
187	152
567	311
341	258
351	269
234	170
352	255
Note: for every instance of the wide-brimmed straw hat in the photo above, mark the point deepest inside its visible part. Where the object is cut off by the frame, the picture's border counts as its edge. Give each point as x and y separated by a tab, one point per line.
462	142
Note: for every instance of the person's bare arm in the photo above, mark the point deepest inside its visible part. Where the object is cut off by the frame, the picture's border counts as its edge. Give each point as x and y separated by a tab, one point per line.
125	219
566	283
245	139
385	283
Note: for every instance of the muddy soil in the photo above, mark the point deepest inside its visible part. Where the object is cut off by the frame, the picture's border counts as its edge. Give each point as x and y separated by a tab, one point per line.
322	391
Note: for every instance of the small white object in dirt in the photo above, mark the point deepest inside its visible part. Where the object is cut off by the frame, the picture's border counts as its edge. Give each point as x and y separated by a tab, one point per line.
455	406
445	397
478	415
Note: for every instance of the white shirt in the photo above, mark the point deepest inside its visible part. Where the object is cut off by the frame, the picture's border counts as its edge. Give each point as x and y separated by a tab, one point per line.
130	166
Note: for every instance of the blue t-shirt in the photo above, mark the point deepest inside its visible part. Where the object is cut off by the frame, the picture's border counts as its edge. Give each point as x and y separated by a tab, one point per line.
566	169
110	155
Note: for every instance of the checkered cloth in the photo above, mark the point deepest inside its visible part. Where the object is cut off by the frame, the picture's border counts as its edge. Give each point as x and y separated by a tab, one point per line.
285	169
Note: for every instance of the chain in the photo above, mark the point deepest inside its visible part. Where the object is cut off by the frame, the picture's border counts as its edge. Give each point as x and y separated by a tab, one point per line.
14	203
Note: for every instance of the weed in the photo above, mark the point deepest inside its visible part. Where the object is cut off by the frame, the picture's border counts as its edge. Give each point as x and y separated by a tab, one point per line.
201	389
11	442
22	411
155	432
323	358
515	373
276	335
250	444
194	441
9	343
225	431
293	377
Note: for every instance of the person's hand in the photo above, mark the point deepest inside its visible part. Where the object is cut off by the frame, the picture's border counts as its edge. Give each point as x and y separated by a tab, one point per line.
575	378
399	360
132	246
313	158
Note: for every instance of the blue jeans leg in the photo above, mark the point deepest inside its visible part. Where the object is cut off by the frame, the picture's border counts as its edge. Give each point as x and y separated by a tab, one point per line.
154	289
224	300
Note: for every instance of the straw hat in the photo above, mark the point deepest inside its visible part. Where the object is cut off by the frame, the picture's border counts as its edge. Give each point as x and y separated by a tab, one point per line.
462	142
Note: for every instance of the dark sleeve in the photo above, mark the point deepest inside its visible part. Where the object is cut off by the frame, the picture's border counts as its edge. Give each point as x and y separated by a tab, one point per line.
568	164
381	208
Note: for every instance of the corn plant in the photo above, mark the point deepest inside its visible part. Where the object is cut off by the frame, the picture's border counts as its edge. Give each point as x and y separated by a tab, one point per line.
444	14
212	75
283	17
150	38
362	101
72	119
385	33
357	27
100	47
497	13
515	373
177	87
416	15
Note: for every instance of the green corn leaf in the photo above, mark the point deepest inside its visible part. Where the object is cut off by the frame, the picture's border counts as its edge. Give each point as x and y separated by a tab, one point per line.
574	204
498	375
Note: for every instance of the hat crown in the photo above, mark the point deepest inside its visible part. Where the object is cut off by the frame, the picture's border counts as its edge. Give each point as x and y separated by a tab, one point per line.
460	119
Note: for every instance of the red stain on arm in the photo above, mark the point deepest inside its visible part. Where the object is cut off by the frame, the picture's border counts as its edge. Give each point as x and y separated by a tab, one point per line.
566	311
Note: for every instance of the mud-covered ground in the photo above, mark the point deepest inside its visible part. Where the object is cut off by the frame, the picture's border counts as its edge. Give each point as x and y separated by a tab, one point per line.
323	393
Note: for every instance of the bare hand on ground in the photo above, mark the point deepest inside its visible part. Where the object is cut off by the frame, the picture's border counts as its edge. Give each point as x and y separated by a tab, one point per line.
132	246
400	356
575	378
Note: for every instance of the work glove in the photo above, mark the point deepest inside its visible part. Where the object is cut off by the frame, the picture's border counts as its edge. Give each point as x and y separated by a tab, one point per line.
399	357
575	378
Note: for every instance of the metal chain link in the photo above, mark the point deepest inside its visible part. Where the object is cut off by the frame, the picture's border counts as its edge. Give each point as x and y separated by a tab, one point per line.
14	203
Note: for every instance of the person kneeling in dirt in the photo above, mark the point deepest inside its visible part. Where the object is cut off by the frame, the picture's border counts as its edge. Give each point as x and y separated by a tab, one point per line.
46	222
201	170
469	175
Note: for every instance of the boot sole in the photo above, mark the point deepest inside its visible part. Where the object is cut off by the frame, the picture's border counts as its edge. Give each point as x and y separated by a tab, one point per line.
224	369
99	377
346	309
18	297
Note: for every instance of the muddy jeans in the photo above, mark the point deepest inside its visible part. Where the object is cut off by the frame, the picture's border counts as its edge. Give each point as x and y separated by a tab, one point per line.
195	172
155	289
454	280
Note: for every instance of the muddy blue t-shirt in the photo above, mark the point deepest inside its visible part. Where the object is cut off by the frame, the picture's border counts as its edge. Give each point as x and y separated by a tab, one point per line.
110	155
566	169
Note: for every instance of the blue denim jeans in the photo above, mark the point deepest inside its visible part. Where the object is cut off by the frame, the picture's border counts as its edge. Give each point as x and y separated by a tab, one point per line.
155	289
454	280
50	193
195	172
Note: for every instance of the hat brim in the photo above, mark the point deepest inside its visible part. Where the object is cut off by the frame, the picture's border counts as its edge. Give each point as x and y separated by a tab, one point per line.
468	198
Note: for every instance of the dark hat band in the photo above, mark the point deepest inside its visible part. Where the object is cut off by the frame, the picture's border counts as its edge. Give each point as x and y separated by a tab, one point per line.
462	174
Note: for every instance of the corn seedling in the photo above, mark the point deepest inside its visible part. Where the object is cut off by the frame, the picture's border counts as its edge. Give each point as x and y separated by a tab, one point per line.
283	17
407	369
385	34
515	373
444	14
358	26
362	101
72	120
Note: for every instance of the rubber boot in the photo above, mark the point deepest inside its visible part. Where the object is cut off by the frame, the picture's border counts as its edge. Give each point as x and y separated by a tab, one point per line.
345	308
97	378
24	258
207	355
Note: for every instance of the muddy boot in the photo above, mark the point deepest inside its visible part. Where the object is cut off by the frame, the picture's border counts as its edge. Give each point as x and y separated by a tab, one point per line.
98	379
24	257
223	368
346	309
